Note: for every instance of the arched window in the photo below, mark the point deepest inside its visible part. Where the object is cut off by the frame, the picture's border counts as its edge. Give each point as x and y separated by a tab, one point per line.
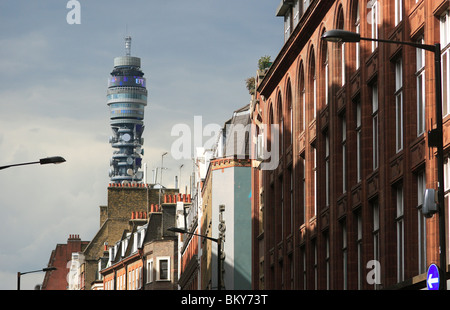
341	48
289	115
356	21
280	121
270	203
325	71
313	83
270	121
302	98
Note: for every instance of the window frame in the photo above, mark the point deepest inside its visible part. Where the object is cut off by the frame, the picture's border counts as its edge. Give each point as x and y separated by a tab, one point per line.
398	105
158	268
420	88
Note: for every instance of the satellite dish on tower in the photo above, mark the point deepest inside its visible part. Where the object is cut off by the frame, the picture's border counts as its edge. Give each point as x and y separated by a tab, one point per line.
126	137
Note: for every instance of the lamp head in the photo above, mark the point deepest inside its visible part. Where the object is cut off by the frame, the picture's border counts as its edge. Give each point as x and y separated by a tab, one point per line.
49	269
176	230
337	35
52	160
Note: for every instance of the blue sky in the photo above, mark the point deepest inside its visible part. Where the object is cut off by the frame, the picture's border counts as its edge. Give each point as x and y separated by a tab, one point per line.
196	56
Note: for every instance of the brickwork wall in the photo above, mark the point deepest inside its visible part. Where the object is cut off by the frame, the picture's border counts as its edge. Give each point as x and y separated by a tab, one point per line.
122	201
60	257
316	239
161	248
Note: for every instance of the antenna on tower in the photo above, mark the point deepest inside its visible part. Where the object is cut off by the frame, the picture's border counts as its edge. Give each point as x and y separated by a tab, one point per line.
128	45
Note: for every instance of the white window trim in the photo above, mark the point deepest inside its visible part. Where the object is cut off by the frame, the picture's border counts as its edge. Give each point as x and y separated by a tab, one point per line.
374	16
398	105
343	63
422	234
344	255
400	234
360	271
376	233
445	55
158	273
375	124
315	180
315	94
398	11
344	154
358	30
420	77
358	141
149	271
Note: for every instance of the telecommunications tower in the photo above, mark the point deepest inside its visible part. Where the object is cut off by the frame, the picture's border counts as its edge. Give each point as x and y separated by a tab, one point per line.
126	98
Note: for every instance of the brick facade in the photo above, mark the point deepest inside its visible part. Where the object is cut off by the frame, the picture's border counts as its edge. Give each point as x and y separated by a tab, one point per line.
60	258
115	217
145	257
346	193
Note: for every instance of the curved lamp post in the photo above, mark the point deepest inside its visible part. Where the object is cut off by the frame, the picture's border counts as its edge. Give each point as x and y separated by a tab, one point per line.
40	270
160	178
435	136
219	250
42	161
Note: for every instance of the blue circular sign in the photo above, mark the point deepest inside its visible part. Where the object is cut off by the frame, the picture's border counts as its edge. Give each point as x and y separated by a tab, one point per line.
433	277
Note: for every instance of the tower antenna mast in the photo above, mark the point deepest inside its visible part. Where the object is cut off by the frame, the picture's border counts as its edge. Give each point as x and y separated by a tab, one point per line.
128	45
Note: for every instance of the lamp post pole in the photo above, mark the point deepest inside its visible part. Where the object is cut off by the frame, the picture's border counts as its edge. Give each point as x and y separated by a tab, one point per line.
160	178
435	136
439	133
219	250
19	274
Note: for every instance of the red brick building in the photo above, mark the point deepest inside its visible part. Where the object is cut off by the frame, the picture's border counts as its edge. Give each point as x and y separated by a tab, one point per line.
342	210
123	201
145	257
60	258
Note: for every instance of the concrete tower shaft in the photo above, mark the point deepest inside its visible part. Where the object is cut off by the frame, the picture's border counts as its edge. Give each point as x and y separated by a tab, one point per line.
126	98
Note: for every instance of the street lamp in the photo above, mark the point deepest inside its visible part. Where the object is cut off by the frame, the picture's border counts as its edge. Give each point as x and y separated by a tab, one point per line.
219	250
40	270
42	161
179	178
435	136
160	178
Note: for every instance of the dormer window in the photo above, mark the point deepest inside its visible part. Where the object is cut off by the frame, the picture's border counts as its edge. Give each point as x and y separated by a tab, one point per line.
296	13
136	242
124	246
138	238
305	5
287	25
111	255
285	9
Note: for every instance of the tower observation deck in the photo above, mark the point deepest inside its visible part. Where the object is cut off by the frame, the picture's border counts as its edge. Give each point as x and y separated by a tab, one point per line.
126	98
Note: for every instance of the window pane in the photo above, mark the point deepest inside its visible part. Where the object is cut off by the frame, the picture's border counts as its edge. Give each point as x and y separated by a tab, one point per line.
420	105
445	83
399	121
163	270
